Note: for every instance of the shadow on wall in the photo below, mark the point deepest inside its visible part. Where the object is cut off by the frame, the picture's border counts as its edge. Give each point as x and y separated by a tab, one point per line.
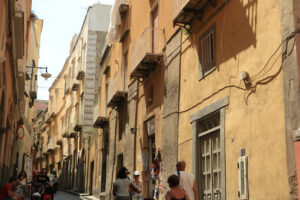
235	29
239	27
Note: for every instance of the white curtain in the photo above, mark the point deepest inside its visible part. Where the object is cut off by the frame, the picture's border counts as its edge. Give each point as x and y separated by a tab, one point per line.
115	22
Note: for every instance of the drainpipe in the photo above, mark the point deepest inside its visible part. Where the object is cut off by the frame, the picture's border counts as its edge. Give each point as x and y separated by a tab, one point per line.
114	154
135	125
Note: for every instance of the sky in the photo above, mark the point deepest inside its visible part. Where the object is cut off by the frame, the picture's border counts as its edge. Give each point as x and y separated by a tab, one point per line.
62	19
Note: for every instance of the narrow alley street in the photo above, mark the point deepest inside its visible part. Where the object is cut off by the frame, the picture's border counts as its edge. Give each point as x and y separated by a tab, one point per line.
60	195
150	99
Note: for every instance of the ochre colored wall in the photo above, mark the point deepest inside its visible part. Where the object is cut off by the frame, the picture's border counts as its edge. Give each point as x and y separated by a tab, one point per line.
244	42
137	20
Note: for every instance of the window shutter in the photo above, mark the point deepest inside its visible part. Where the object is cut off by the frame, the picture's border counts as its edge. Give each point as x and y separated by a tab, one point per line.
243	177
207	52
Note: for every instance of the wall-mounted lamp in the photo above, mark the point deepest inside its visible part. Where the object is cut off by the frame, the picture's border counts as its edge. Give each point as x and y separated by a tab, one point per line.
45	75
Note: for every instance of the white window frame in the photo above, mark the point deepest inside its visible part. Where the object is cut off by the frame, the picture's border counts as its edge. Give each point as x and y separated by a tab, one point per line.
209	167
197	117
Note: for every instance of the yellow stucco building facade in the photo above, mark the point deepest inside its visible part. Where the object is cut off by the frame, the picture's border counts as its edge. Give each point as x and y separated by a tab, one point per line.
204	87
209	82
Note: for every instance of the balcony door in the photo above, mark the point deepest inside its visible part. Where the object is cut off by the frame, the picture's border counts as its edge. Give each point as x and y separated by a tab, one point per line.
154	26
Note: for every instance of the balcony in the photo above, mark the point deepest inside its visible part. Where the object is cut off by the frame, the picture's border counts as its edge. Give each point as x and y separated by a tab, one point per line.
65	135
80	75
65	132
49	151
116	93
73	135
187	10
59	142
146	53
123	8
101	122
78	125
51	145
75	86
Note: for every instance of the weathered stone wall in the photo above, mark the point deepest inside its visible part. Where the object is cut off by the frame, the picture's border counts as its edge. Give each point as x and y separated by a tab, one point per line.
291	92
171	104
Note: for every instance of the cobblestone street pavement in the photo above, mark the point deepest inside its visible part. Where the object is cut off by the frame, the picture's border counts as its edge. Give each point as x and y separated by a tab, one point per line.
65	196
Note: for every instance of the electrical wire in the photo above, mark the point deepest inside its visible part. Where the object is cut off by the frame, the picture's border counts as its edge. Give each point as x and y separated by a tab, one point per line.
252	89
270	58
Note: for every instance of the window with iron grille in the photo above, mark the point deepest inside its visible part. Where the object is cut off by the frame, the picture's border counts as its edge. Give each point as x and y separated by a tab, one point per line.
210	158
207	52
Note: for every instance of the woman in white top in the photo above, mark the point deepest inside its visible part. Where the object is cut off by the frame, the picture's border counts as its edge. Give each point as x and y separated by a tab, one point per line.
123	185
22	188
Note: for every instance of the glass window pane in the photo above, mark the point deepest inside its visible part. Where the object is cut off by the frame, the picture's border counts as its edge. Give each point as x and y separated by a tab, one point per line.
203	164
207	147
207	163
208	183
203	183
215	161
203	147
219	160
214	143
219	179
216	180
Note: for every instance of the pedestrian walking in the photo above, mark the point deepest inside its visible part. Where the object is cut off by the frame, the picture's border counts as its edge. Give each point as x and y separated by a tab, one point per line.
176	192
7	191
22	188
137	195
187	181
123	185
55	184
